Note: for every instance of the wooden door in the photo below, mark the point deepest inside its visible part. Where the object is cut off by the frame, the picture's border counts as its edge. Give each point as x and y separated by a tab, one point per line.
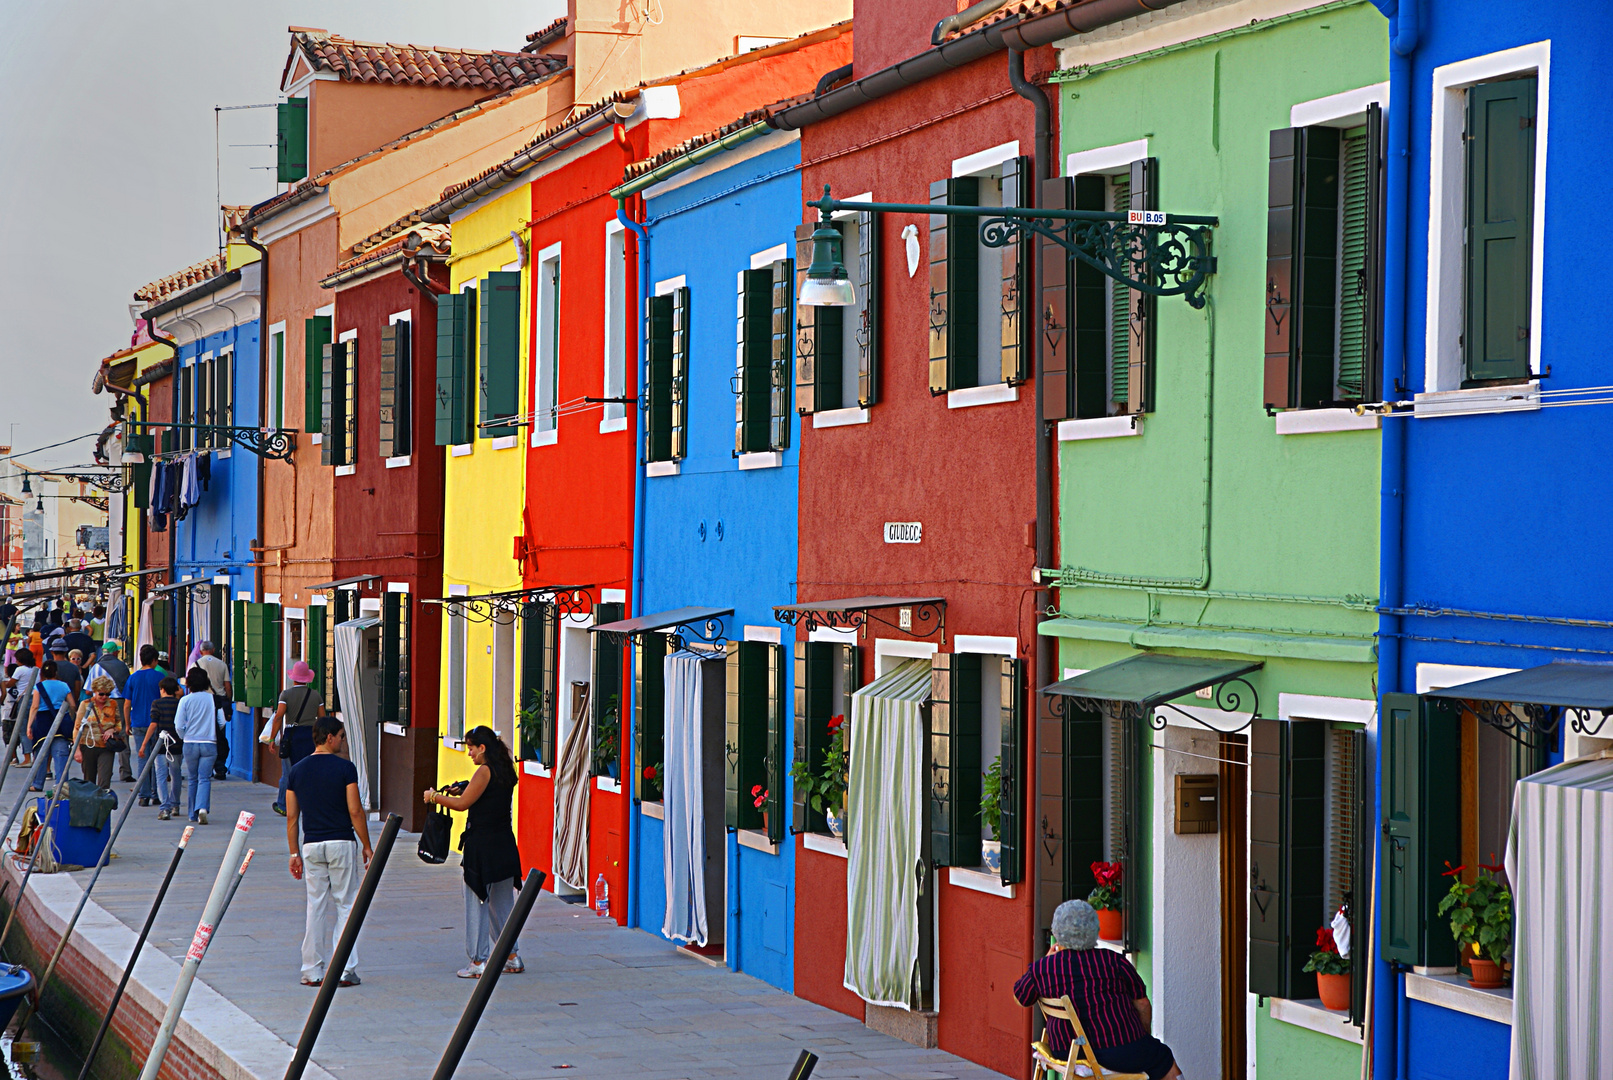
1234	774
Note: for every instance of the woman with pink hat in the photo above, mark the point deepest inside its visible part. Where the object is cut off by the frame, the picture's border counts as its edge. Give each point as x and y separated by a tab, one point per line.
292	729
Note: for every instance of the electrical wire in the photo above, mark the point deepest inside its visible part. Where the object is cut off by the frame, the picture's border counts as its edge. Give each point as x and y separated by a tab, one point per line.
91	435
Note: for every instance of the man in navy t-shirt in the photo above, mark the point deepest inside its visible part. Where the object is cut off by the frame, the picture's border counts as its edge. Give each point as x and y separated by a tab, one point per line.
140	690
322	793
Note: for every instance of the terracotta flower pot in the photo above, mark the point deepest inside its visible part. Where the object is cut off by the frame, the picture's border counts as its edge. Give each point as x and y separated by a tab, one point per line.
1486	974
1334	990
1111	924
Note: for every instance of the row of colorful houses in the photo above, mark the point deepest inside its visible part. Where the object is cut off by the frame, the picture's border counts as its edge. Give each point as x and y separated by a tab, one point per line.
512	416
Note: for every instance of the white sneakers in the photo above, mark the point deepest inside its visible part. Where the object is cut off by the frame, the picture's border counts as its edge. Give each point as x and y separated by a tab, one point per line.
472	972
512	966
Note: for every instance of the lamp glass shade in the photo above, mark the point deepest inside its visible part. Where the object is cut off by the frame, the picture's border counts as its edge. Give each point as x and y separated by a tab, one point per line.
828	292
827	284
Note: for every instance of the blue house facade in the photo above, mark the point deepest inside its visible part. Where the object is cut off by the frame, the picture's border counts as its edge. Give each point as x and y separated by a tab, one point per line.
1497	582
216	386
716	506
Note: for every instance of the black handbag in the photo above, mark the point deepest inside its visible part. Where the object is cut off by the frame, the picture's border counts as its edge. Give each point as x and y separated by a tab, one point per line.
439	827
284	748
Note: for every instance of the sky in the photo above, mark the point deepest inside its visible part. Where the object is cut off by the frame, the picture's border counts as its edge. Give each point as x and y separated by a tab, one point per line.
107	164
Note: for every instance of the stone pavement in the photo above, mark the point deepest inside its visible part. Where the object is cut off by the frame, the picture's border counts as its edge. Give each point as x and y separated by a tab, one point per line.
596	1000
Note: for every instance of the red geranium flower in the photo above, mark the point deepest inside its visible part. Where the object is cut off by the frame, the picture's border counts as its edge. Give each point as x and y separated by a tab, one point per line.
836	721
760	794
1324	940
649	772
1454	870
1106	873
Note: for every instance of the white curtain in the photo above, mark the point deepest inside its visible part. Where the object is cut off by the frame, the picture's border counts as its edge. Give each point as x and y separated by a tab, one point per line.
571	787
684	835
357	706
884	823
1560	861
144	632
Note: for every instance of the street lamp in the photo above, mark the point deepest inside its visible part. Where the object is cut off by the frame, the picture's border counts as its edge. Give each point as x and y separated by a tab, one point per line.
827	284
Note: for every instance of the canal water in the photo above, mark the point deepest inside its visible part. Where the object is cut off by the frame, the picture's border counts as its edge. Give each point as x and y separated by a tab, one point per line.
51	1061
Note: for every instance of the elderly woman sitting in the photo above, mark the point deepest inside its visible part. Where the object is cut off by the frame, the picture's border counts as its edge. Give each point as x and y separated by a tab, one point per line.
1107	992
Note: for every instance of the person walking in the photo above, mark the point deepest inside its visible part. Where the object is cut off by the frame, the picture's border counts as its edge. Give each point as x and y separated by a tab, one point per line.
98	750
491	861
196	719
78	638
141	689
322	796
218	676
162	738
295	737
110	663
66	670
24	677
50	696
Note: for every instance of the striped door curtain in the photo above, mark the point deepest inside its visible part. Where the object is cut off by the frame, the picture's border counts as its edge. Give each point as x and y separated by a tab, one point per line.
884	830
571	787
1560	860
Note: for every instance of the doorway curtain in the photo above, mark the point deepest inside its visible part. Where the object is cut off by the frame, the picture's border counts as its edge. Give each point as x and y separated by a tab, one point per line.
684	834
355	718
571	784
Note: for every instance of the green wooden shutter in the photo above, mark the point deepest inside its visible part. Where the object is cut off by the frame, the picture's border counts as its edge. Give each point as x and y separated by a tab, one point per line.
1287	812
1302	267
146	447
1017	189
160	625
291	140
1355	183
649	715
534	684
954	289
605	695
1500	228
1086	796
392	646
1361	908
658	379
778	743
499	343
1011	832
1143	191
453	315
316	334
238	657
814	700
1097	309
260	644
678	432
1057	315
387	412
954	780
870	264
314	636
753	361
1422	827
783	333
745	741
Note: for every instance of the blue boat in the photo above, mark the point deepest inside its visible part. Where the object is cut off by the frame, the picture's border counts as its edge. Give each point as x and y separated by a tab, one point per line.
16	983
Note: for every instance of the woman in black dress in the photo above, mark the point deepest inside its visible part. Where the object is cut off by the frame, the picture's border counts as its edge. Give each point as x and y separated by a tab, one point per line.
491	861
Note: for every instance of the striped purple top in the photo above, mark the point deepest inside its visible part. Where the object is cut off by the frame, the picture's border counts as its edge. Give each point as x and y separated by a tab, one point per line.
1101	983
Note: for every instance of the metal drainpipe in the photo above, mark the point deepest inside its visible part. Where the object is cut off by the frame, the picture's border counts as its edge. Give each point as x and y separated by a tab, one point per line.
1393	1013
251	239
1046	666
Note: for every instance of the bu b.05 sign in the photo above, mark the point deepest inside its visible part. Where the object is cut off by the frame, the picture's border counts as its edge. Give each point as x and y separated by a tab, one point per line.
904	532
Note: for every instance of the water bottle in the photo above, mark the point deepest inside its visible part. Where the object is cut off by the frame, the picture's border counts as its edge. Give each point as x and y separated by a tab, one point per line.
601	896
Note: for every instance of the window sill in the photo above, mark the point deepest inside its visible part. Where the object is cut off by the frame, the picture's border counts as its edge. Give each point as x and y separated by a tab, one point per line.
605	783
400	462
1312	1017
1522	397
394	729
461	450
451	743
608	426
656	810
346	470
982	881
1100	427
1317	421
546	438
506	442
767	459
661	468
828	845
839	417
535	768
757	840
995	394
1453	992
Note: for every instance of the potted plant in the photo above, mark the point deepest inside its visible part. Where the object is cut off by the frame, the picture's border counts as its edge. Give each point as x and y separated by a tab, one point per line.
1332	971
531	722
825	789
1481	922
758	796
653	786
607	752
1106	898
991	816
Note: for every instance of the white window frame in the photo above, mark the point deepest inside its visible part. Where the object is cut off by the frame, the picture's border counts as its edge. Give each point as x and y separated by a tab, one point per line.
546	376
614	360
1447	221
349	470
986	165
458	668
405	460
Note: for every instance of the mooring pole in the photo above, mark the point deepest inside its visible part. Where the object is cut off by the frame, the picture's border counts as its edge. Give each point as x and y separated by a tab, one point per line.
490	973
140	943
11	749
344	947
22	796
224	887
803	1065
39	841
106	854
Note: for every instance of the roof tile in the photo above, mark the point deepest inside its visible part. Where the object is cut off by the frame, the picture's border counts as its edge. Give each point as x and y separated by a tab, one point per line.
163	288
421	65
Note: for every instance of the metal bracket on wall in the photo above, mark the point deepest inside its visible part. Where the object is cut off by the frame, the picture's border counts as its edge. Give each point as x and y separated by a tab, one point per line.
503	608
917	616
1531	725
275	444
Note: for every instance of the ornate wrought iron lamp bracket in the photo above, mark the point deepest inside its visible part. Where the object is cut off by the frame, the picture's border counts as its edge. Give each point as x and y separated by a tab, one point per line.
708	636
275	444
922	620
1532	725
1227	698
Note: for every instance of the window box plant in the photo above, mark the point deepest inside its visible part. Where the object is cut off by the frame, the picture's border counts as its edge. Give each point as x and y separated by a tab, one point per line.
1481	922
991	815
1106	899
824	789
1332	971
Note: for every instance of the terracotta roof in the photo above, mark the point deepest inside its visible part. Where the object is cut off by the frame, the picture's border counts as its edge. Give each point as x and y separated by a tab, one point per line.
548	35
419	65
157	291
672	153
434	239
233	216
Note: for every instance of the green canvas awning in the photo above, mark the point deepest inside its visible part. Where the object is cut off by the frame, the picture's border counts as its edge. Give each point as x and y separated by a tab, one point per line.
1571	684
1149	679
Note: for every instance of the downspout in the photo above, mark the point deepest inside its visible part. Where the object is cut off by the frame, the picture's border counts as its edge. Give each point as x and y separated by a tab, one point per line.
972	14
412	273
250	236
1391	1015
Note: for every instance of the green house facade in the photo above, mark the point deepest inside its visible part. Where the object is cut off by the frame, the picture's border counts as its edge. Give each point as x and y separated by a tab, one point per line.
1218	501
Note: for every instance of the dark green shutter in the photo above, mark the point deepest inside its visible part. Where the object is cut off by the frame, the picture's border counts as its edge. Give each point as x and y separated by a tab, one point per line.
316	334
678	433
1011	830
658	379
396	401
778	743
392	646
745	735
870	265
314	644
260	662
238	658
607	684
1356	159
1056	317
1302	267
1287	811
146	447
291	140
782	334
954	780
1500	228
753	362
1143	191
814	702
453	318
1086	795
1422	828
1360	875
499	371
1017	189
1098	323
537	692
649	713
954	288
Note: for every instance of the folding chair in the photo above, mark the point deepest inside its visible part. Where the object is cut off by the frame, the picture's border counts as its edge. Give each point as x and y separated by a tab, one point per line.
1080	1061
